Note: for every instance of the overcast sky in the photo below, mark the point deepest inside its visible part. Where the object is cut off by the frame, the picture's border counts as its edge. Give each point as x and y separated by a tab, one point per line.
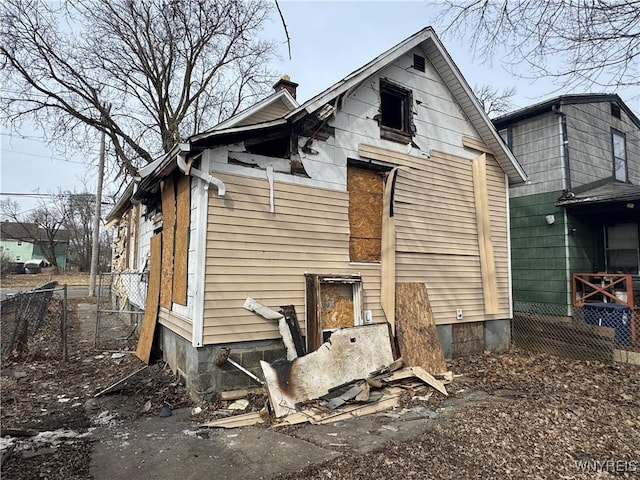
328	41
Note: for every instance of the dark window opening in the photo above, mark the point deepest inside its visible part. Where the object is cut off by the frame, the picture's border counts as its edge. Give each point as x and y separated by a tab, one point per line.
615	110
395	112
418	62
275	147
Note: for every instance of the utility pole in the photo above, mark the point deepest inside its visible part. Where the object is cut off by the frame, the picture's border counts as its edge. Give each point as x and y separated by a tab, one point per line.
95	244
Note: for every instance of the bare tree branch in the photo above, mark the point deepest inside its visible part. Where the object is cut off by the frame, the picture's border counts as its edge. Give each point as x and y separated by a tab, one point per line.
168	68
581	43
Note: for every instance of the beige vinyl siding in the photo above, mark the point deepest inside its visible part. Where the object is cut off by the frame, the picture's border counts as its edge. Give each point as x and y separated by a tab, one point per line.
253	252
176	323
436	232
270	112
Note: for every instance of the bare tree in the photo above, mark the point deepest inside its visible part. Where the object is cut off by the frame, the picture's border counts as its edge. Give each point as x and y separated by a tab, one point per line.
493	100
42	226
148	73
579	42
79	224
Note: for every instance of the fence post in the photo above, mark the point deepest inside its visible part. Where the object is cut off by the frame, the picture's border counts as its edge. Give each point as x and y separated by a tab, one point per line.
65	353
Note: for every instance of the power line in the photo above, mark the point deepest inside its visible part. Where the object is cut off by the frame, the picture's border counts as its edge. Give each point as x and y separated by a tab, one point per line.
57	159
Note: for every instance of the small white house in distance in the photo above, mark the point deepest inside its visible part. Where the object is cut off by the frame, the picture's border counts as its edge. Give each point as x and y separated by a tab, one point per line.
393	174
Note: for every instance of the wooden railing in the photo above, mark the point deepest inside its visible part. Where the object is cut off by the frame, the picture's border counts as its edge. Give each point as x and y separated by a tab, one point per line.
602	287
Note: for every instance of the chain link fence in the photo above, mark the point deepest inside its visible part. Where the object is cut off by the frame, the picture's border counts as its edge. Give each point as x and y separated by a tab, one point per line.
606	332
33	324
120	307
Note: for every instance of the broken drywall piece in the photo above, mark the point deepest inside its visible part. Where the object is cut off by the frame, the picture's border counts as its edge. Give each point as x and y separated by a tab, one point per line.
255	306
350	354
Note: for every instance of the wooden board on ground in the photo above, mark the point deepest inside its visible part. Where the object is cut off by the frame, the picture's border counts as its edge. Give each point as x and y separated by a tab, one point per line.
416	331
417	372
143	350
244	420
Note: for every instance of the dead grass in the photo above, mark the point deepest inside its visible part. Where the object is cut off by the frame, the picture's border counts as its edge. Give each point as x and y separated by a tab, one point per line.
28	280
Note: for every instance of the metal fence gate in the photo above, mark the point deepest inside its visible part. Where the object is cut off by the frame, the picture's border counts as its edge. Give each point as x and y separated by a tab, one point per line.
120	308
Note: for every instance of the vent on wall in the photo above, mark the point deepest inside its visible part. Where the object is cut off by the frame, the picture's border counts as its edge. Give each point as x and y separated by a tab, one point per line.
418	62
615	109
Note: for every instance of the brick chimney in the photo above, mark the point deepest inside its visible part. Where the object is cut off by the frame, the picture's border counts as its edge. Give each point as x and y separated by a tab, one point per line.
286	83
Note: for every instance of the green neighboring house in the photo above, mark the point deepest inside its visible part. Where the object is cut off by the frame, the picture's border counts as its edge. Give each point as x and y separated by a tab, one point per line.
23	242
579	212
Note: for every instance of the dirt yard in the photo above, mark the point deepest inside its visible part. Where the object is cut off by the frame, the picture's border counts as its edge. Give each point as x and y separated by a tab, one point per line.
31	280
547	418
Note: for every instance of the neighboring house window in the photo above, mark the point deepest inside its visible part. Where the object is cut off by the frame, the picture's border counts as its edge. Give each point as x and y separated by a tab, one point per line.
366	188
395	112
622	248
507	137
619	148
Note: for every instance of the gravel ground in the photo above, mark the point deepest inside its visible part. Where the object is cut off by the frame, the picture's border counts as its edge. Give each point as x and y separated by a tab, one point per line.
545	418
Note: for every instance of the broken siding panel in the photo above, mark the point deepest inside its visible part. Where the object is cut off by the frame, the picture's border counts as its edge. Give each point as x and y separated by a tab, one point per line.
175	323
251	252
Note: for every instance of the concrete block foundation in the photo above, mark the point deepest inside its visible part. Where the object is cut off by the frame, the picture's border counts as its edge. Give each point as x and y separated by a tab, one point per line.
197	366
463	339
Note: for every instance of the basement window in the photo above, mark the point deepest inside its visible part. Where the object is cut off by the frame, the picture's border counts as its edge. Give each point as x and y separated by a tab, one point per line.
395	112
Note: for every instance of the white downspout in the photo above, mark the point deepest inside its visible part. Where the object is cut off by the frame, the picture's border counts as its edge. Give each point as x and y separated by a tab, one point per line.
184	148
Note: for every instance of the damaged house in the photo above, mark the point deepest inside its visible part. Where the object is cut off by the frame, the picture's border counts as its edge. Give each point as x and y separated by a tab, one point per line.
394	175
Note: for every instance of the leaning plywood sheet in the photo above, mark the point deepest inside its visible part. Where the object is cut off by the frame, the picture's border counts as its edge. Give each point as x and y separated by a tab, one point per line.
143	350
350	354
417	335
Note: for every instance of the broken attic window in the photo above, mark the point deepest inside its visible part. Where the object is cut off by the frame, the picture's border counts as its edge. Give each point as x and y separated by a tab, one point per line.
395	112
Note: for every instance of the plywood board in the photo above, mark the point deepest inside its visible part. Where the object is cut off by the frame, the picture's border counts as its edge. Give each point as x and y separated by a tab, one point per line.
416	331
181	253
350	354
365	214
244	420
145	342
336	305
485	245
168	239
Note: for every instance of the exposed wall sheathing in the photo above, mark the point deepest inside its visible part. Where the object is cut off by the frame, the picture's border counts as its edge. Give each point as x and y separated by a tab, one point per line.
365	214
181	240
168	239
